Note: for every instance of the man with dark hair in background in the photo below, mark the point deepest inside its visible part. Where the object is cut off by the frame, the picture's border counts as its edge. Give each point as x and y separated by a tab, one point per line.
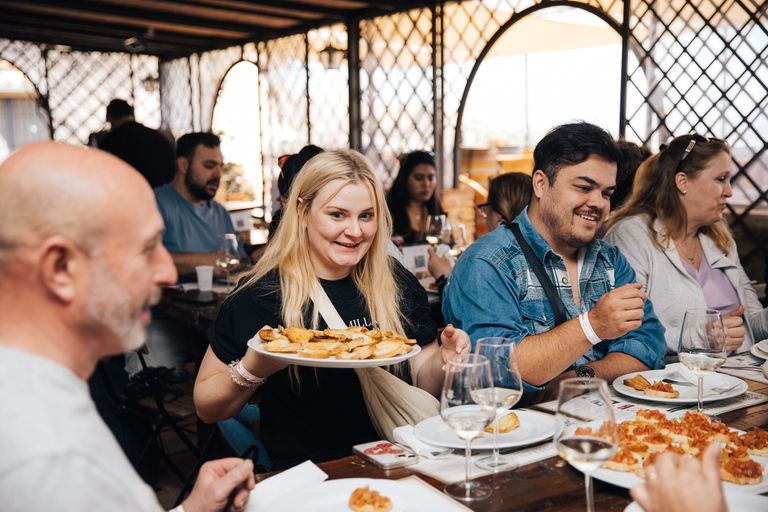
608	328
146	150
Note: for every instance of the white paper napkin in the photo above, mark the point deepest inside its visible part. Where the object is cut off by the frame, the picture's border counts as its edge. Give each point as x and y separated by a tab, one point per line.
300	477
712	380
405	435
444	250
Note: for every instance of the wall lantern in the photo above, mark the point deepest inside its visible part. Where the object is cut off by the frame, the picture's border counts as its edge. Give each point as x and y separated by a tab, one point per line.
331	57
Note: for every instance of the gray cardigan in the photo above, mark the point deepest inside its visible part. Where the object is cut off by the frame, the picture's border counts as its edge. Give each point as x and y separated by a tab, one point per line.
672	290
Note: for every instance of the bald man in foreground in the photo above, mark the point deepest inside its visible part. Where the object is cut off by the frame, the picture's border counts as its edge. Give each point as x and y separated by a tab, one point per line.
81	262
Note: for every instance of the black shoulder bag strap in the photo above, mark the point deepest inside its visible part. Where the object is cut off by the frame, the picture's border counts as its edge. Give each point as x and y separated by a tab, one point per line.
538	269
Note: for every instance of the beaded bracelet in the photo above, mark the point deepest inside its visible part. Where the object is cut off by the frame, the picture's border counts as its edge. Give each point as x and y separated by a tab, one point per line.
251	381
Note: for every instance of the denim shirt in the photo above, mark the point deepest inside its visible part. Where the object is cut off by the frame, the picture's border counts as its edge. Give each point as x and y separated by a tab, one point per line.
492	291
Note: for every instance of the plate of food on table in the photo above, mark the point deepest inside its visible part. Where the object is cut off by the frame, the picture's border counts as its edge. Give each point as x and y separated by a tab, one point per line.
367	495
429	284
353	347
670	386
743	459
516	428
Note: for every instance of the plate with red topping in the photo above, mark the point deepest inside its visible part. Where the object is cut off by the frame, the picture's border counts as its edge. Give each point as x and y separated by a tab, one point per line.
688	390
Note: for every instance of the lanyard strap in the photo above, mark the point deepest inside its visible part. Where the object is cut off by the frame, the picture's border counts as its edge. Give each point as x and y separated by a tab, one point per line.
538	269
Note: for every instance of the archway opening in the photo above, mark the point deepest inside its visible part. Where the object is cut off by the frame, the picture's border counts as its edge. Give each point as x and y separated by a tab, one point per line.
21	119
553	66
236	121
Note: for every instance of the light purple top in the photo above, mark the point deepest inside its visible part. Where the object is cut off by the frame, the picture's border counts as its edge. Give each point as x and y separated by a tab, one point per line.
718	290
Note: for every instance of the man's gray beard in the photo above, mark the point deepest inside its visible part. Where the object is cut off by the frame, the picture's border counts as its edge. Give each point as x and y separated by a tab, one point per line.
108	305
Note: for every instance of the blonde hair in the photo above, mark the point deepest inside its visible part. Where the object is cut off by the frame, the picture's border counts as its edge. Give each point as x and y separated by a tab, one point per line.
289	252
655	195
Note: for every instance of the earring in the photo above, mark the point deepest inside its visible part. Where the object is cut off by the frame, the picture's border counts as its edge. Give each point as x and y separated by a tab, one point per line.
685	192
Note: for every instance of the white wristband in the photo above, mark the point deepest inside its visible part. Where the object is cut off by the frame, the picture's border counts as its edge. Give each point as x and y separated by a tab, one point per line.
587	328
248	375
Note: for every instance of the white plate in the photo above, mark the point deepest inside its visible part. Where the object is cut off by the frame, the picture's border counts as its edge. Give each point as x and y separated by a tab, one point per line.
688	394
736	501
757	352
429	281
629	480
534	427
256	344
333	495
763	346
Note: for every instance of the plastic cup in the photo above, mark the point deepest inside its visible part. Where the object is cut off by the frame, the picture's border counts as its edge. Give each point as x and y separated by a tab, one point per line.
204	277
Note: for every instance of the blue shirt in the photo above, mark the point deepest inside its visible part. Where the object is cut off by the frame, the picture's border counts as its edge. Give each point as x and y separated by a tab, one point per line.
492	291
191	228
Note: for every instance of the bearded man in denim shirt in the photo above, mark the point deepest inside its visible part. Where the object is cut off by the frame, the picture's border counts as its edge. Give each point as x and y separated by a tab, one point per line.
493	290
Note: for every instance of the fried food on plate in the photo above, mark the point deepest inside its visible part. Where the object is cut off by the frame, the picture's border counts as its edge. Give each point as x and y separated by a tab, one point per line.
638	382
506	424
353	343
365	500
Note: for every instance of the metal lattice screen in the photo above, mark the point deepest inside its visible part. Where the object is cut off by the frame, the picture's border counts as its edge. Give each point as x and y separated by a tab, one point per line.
700	66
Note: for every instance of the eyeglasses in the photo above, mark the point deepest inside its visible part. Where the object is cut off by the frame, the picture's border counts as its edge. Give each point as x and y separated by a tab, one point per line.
483	210
694	139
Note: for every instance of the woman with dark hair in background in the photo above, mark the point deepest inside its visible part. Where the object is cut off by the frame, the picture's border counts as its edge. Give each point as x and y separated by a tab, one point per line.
413	196
288	171
508	194
672	232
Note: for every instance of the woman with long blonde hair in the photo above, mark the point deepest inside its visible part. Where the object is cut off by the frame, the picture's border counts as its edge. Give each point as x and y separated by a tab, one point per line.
333	237
672	232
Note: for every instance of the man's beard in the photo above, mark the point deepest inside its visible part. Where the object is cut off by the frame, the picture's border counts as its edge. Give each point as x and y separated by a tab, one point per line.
110	306
199	191
560	230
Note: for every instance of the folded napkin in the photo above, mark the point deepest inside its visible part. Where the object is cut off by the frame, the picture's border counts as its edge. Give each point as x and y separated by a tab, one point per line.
221	289
405	435
443	250
712	380
275	487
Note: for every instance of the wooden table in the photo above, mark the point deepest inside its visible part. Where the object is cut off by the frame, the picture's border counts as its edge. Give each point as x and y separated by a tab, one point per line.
198	316
550	484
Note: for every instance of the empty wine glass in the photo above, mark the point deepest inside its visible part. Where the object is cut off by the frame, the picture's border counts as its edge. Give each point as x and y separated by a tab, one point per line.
467	375
702	344
507	389
585	429
227	254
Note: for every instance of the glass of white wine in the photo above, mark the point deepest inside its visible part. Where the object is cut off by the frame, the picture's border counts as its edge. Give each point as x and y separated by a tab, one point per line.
585	429
702	344
227	254
465	376
507	389
434	230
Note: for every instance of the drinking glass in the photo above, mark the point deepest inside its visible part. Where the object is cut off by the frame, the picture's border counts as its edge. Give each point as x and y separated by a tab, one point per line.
585	428
227	254
434	228
507	389
702	344
466	377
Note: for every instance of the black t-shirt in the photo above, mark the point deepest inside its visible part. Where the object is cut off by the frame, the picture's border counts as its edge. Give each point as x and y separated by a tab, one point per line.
146	150
327	416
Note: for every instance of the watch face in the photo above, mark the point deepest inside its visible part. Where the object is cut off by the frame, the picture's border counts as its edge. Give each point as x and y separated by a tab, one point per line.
585	371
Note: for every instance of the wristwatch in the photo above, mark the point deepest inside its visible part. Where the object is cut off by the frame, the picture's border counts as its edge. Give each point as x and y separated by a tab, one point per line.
584	372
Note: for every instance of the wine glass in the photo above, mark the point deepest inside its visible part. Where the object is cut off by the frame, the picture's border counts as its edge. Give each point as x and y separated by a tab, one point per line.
227	254
434	228
467	376
585	429
702	344
507	389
